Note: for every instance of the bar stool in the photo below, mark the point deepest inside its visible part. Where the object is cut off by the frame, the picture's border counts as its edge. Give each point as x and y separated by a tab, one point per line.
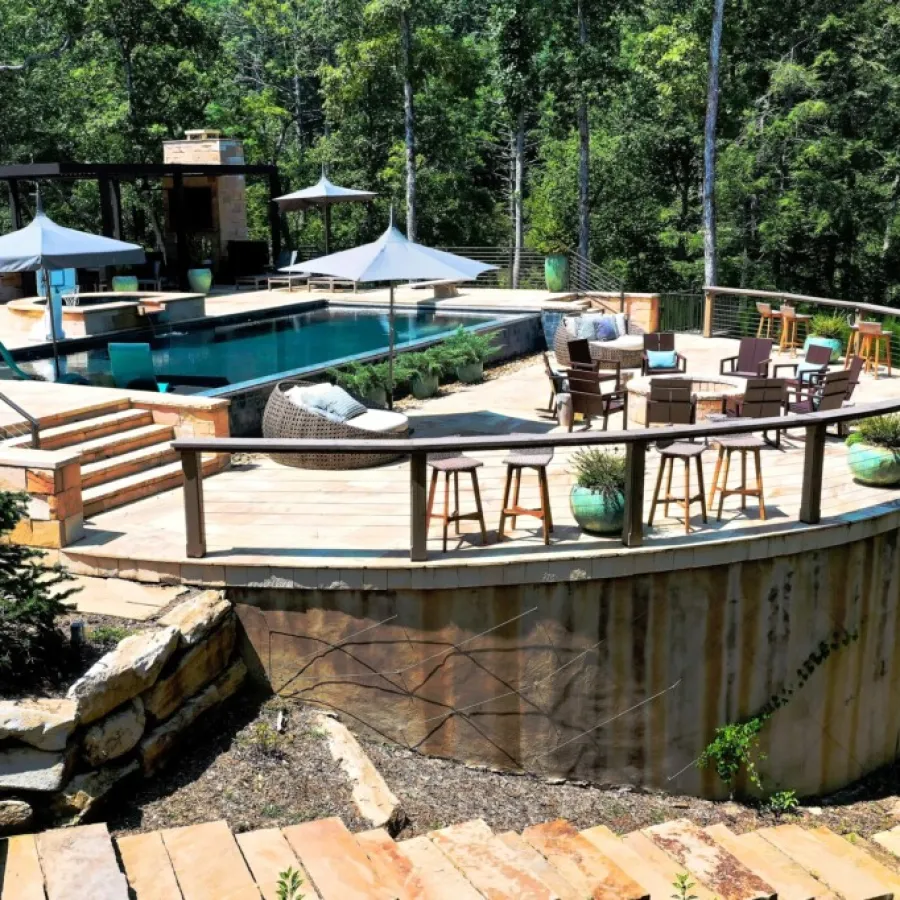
743	444
684	451
870	338
767	316
790	330
451	464
518	460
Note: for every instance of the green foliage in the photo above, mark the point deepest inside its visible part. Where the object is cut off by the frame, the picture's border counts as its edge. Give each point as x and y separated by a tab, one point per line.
830	326
464	347
427	363
359	379
108	635
735	748
782	803
289	884
683	885
880	431
32	648
263	739
600	471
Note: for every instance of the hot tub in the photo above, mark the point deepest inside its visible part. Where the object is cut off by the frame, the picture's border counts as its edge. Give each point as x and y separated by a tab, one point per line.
709	392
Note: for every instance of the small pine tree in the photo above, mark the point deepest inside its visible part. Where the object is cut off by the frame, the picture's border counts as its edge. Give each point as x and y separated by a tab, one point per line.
32	648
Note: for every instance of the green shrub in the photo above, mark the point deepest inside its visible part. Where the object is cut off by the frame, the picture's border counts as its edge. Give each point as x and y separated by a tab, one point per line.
357	378
600	471
831	326
465	347
431	362
733	748
880	431
32	648
109	635
782	803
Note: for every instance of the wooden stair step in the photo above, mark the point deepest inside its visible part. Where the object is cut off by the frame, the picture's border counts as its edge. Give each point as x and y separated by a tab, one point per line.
104	470
707	861
21	877
857	852
440	879
80	862
535	863
392	868
123	442
790	881
148	867
208	863
491	867
581	863
87	429
889	840
644	871
839	873
337	865
663	863
268	854
83	411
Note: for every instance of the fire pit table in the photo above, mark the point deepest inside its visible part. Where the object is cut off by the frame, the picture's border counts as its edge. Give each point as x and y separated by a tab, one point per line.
712	393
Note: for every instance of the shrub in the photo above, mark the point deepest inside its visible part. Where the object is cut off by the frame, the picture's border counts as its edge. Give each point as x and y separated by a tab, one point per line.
32	648
357	378
600	471
108	635
881	431
783	803
466	347
427	363
733	748
830	326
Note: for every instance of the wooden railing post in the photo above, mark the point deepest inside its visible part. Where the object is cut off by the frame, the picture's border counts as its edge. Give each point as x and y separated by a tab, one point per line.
813	465
418	533
709	302
195	525
633	526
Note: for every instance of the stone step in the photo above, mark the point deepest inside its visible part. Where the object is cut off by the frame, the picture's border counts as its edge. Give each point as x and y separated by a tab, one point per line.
123	442
534	862
440	879
856	852
491	867
20	869
119	466
337	865
392	869
83	411
889	840
709	862
268	854
581	863
120	491
838	873
790	881
208	863
147	867
87	429
644	871
80	862
661	862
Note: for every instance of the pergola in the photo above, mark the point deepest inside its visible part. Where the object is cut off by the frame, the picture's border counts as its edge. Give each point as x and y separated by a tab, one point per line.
109	177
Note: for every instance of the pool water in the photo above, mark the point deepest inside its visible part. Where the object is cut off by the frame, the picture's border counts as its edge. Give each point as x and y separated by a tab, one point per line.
266	347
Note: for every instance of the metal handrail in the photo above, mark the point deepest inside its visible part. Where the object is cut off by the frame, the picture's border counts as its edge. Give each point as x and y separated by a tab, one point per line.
803	298
33	423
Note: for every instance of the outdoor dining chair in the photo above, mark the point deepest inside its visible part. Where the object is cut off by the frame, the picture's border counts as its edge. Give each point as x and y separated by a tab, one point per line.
661	343
811	370
586	389
752	360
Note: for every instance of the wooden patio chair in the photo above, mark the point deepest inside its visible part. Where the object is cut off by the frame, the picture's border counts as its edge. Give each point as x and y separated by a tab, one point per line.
828	395
661	342
752	360
812	370
589	398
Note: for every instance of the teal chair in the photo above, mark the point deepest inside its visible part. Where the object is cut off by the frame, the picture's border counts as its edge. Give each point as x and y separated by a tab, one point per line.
132	367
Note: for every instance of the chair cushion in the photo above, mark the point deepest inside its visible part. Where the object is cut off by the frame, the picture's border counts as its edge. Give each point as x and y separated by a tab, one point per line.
570	323
627	342
295	396
382	421
621	324
661	359
804	369
334	400
605	329
586	326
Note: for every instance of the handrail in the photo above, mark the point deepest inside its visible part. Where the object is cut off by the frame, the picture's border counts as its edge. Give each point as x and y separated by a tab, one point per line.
802	298
33	423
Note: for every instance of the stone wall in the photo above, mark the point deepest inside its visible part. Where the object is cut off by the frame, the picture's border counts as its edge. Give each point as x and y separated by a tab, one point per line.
641	309
124	717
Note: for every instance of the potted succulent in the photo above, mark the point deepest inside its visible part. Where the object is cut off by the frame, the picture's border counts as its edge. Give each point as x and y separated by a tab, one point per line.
874	450
363	381
466	352
597	498
423	371
828	331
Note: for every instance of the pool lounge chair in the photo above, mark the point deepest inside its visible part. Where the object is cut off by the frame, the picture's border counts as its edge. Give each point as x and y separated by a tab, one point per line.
132	367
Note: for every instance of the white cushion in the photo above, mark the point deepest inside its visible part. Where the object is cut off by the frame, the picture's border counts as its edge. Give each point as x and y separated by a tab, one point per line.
571	326
621	324
626	342
295	396
382	421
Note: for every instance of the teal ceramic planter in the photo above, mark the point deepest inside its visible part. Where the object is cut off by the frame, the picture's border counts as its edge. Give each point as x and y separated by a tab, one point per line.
874	465
597	513
424	386
470	373
124	284
834	343
200	280
376	398
556	272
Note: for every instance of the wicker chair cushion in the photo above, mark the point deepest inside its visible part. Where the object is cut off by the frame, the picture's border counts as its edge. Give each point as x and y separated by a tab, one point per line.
382	421
627	342
298	398
586	326
330	399
621	324
605	329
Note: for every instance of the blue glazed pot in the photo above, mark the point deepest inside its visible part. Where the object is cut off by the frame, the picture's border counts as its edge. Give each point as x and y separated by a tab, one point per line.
834	343
550	321
597	513
556	272
200	280
125	284
874	465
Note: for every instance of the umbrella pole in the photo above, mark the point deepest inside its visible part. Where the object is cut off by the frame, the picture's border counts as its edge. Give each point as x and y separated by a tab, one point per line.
390	392
327	228
52	322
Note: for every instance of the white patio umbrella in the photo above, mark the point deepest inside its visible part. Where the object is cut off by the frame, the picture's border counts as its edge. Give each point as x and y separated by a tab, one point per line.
393	257
325	194
44	245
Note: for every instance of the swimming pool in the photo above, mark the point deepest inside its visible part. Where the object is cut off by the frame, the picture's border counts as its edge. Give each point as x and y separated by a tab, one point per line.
257	349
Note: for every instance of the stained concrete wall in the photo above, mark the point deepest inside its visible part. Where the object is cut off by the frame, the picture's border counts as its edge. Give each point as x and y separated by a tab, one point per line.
616	680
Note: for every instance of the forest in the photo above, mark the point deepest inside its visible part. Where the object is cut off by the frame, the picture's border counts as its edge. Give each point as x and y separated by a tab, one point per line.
560	123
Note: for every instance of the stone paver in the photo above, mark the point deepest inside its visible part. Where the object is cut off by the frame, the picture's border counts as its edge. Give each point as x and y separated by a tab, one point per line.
80	862
268	854
661	862
533	862
127	599
22	878
439	877
147	867
393	869
889	840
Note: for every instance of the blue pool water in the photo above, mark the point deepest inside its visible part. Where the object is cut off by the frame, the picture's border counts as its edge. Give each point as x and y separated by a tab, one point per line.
266	347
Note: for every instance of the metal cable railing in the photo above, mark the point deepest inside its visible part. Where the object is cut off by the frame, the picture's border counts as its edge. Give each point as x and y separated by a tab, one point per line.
681	312
30	426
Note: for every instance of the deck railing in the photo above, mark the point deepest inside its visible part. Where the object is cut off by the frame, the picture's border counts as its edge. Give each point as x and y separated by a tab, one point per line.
636	442
31	423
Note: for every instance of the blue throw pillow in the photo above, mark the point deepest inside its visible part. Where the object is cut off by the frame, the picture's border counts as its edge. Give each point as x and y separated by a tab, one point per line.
606	328
336	401
585	327
804	369
662	359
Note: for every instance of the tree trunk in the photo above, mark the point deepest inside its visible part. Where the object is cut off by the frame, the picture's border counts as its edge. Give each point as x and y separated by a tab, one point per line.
517	198
410	124
584	151
710	260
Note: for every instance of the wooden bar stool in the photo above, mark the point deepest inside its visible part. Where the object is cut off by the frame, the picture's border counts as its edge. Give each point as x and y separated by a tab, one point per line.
870	339
791	321
687	452
451	464
743	444
767	316
518	460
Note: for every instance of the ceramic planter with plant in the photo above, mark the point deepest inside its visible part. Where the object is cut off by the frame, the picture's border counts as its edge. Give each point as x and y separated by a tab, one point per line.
363	381
874	450
466	352
424	371
828	331
597	498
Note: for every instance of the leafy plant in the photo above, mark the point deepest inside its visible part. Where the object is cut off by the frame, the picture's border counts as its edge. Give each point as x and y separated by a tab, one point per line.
880	431
428	363
289	884
831	326
782	803
733	748
109	635
357	378
683	885
262	738
600	471
465	347
31	597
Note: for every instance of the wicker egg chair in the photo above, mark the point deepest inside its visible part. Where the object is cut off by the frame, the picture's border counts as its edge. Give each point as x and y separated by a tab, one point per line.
285	420
606	354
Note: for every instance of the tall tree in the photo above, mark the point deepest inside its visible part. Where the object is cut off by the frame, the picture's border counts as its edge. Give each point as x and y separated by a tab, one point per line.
710	249
409	121
584	145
